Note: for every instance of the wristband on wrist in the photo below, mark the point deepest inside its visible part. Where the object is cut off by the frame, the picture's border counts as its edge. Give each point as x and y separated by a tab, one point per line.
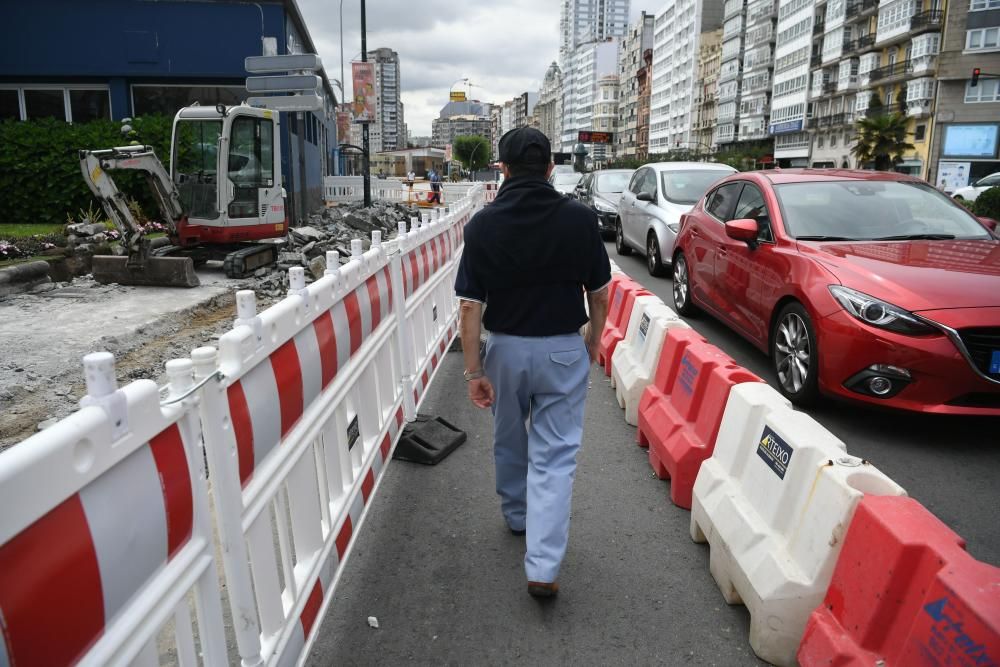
474	375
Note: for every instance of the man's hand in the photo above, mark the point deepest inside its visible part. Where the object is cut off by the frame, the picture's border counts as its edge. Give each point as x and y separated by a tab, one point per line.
593	348
481	392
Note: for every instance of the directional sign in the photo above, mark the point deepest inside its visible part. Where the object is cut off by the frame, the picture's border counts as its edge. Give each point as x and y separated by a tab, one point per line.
287	63
283	84
310	102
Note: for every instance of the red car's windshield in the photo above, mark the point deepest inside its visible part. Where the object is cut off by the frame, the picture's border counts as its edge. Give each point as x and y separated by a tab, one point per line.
872	210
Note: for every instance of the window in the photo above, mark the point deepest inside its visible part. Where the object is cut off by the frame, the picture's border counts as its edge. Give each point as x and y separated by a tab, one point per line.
168	99
982	38
978	5
44	103
251	163
723	200
10	105
819	141
988	90
635	187
920	133
751	205
88	105
833	141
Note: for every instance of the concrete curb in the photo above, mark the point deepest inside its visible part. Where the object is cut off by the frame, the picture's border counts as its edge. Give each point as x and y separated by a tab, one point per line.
21	278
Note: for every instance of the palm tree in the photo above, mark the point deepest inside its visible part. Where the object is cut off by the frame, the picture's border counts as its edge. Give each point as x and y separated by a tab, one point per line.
882	140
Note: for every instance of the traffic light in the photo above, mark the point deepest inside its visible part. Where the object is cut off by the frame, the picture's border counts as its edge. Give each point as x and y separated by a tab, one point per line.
975	77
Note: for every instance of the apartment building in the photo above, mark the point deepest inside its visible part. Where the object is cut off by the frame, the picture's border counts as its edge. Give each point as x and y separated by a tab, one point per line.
967	118
548	111
796	25
630	60
606	116
388	132
677	29
645	79
709	62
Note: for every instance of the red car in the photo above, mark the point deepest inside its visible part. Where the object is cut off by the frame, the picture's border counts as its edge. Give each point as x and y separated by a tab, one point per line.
870	286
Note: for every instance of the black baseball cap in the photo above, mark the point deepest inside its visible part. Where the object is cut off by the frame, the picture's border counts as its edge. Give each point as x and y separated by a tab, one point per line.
514	146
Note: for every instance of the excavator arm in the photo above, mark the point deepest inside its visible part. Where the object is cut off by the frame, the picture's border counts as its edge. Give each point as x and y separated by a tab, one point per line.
139	267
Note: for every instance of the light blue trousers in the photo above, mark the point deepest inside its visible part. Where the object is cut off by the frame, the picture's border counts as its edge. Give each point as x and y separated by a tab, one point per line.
540	386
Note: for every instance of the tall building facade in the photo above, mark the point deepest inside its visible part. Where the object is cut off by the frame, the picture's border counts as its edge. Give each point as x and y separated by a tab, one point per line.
790	93
461	119
605	117
967	117
548	111
638	39
388	133
757	71
845	37
645	77
709	63
590	31
677	29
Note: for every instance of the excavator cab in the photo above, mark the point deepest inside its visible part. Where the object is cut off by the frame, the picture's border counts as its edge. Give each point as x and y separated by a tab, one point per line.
222	192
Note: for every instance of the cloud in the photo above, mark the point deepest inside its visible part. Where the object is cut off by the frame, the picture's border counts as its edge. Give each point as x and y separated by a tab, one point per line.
503	48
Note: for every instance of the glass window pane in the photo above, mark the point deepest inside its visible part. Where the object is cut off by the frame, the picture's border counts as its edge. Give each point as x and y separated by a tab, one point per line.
44	104
9	107
85	105
267	152
168	100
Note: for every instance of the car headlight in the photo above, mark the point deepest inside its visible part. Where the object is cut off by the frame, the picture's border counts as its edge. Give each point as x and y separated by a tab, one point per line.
674	226
879	313
604	207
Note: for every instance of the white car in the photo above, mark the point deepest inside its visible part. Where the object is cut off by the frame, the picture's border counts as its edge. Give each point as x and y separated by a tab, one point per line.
651	207
970	192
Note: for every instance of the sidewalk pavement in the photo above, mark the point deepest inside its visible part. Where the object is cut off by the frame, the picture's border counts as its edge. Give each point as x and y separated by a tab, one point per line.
436	565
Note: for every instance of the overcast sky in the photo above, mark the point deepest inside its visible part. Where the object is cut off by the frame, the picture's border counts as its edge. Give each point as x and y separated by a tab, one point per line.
502	46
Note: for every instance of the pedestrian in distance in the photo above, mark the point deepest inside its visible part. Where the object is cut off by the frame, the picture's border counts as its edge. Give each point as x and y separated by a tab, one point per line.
435	179
531	257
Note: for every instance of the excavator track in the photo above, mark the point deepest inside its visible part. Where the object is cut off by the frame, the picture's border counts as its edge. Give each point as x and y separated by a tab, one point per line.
243	262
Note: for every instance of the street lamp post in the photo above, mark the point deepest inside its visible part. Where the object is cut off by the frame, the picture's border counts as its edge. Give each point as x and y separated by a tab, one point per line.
472	162
365	139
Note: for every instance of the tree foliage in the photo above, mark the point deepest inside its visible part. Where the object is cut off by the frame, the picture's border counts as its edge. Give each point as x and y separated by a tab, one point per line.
40	169
882	140
473	151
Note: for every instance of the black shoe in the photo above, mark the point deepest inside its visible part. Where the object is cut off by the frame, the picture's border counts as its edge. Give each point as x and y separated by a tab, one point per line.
518	533
540	589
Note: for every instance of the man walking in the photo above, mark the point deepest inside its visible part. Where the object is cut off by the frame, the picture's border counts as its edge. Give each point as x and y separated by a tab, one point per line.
529	257
435	179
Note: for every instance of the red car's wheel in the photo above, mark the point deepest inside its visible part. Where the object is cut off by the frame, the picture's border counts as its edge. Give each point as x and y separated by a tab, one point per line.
794	355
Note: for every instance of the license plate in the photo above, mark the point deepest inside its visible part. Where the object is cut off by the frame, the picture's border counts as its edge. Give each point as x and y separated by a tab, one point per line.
995	362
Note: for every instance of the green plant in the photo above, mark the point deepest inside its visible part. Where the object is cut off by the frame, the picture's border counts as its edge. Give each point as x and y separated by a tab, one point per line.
987	204
882	140
40	167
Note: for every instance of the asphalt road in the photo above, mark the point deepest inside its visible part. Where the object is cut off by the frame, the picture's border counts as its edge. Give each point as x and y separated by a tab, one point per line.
950	464
436	565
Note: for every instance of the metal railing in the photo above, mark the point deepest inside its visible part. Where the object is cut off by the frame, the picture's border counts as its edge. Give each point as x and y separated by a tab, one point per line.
928	18
887	71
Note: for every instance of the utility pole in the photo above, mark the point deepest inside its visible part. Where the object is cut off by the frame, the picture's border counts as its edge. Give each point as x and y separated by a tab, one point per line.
365	141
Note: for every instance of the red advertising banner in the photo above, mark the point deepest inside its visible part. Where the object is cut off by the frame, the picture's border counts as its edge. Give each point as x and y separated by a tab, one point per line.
363	106
344	123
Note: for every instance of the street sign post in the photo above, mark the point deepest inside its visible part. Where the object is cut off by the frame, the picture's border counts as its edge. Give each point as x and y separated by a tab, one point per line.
309	62
283	84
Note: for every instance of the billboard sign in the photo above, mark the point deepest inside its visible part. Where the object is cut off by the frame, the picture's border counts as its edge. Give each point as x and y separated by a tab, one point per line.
953	175
343	123
363	105
786	127
457	96
590	137
447	153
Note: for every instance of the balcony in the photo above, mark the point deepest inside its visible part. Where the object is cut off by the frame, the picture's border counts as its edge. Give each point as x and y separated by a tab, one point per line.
928	19
894	70
816	60
847	83
818	26
866	41
860	9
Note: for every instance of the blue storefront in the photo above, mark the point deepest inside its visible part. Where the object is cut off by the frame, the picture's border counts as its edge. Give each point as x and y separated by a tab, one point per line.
112	59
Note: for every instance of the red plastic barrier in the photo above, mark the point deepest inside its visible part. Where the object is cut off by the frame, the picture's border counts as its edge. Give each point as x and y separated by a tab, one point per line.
681	411
624	290
905	592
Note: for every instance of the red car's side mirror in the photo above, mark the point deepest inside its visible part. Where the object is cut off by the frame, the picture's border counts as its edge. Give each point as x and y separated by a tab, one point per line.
990	223
744	229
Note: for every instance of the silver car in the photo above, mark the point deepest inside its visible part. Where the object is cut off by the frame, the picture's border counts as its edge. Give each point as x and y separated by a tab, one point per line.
650	209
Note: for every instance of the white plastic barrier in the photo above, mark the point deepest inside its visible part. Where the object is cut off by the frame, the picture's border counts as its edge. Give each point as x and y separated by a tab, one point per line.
297	435
638	307
633	364
105	532
774	503
343	188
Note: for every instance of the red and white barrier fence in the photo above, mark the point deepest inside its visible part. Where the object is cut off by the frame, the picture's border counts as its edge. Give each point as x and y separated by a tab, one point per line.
105	532
298	409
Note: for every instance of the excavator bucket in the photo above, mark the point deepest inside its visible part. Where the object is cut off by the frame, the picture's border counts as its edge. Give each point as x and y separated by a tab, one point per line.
154	272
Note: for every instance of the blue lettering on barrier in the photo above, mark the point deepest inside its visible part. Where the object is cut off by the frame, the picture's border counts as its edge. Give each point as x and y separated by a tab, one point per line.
774	451
688	375
949	637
